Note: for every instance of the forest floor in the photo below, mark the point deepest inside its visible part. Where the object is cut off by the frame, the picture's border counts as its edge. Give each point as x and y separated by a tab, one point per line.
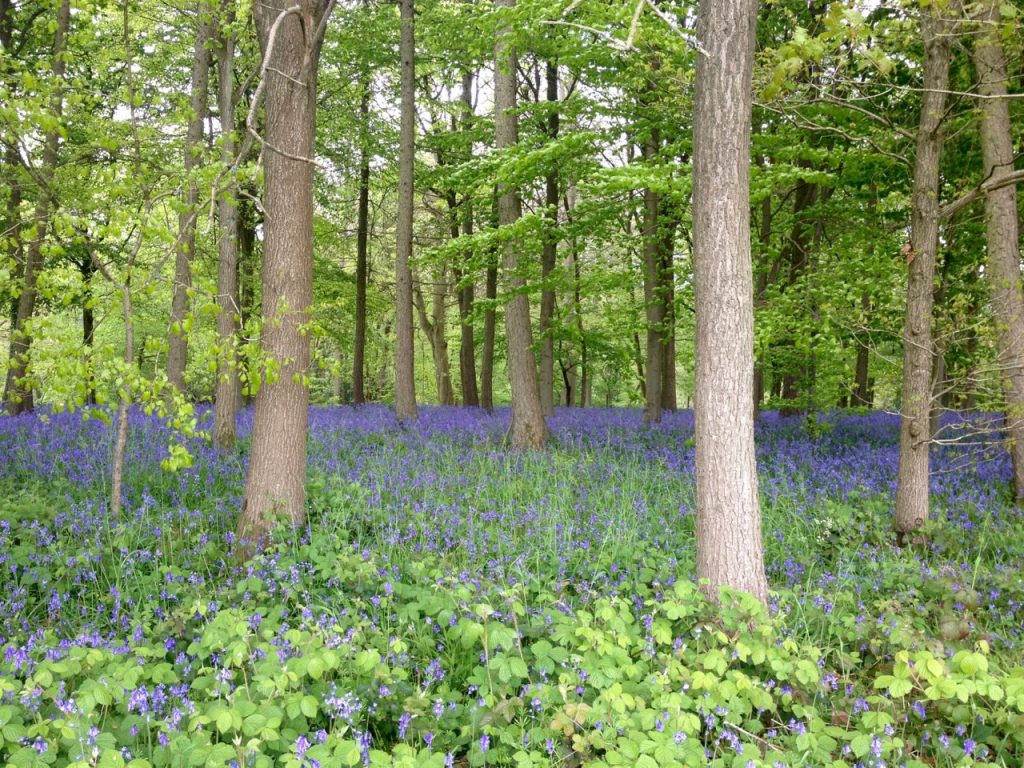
454	603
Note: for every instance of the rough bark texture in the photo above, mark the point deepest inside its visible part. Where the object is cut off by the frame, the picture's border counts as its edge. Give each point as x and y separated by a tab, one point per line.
405	381
275	487
226	398
912	481
362	240
549	255
17	390
529	429
185	246
729	547
1001	228
467	345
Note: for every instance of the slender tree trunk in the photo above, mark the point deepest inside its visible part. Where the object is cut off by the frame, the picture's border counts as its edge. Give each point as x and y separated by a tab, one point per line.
226	397
584	380
490	321
549	256
405	381
247	271
796	255
275	487
653	299
529	429
18	390
185	246
729	546
1002	243
467	345
861	396
88	269
362	239
668	223
912	482
11	229
435	326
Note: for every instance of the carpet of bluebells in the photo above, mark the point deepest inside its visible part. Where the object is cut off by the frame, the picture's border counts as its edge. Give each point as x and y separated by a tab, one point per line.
451	602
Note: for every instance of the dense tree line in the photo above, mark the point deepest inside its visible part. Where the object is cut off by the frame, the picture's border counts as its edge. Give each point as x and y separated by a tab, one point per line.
802	206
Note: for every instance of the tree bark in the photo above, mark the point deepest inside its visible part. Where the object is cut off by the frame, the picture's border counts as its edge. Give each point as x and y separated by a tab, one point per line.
275	488
467	344
362	240
185	246
405	381
434	325
226	397
912	482
796	255
87	270
18	390
549	255
668	223
490	321
529	429
653	300
1001	227
729	546
861	395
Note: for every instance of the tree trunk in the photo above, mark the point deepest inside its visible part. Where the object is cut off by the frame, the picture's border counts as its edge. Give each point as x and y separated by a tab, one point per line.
1001	227
275	488
405	381
490	321
467	345
549	256
653	300
529	429
88	269
912	481
729	546
362	240
435	327
861	395
247	271
796	255
185	246
18	390
226	397
668	223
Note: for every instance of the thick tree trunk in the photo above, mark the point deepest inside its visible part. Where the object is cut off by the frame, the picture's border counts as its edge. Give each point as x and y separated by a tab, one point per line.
729	546
185	246
529	429
362	240
912	483
17	389
405	381
226	398
467	345
275	488
549	255
1001	227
